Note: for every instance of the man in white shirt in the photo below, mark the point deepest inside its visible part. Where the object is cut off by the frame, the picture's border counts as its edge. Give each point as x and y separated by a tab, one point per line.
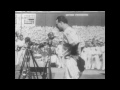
93	58
20	53
84	55
103	57
98	62
88	64
70	38
16	39
69	32
59	52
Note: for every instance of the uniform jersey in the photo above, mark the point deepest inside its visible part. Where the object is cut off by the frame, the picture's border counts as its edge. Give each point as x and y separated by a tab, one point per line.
54	59
59	50
21	52
98	50
71	35
103	49
20	43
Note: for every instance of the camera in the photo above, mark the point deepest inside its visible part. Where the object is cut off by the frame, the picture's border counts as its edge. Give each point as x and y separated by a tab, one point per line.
51	35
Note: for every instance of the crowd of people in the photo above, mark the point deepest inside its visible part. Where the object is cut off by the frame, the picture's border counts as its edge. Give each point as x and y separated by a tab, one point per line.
73	48
91	38
90	41
94	57
84	33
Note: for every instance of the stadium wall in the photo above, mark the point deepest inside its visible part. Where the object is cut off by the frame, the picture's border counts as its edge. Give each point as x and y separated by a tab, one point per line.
93	18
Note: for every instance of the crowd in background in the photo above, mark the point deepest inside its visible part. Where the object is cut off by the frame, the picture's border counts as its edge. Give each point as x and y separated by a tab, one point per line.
91	38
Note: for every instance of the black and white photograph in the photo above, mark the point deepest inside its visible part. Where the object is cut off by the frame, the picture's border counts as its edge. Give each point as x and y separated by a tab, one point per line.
59	44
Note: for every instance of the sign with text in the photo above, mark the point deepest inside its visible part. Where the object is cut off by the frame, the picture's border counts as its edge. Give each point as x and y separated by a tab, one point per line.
28	20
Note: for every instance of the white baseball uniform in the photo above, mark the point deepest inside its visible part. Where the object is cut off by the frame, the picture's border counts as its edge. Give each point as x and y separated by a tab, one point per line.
20	54
71	65
59	51
98	63
72	71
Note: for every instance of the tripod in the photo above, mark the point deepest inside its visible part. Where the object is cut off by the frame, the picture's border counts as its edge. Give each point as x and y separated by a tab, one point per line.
25	67
25	71
48	64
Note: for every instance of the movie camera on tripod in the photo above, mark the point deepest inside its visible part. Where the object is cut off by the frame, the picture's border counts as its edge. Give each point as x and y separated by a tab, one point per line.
25	70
